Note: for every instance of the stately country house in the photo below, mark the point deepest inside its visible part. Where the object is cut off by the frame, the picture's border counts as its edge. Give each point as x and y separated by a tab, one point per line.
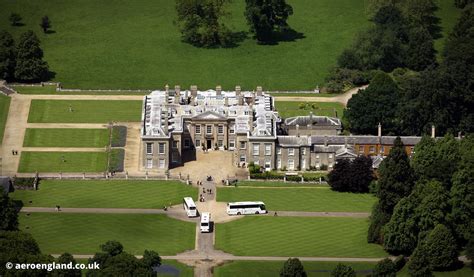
177	123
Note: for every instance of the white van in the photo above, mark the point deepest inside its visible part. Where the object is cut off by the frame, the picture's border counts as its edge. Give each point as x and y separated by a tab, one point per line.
189	207
205	223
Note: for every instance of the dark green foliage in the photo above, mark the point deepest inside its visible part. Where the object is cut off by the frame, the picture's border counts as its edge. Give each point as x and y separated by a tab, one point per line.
67	258
116	160
396	180
342	270
23	182
200	22
292	268
45	24
30	66
351	176
8	213
385	268
419	265
114	261
400	235
436	159
399	262
119	136
423	13
462	3
19	247
340	78
267	17
420	52
440	248
15	19
470	249
376	104
7	56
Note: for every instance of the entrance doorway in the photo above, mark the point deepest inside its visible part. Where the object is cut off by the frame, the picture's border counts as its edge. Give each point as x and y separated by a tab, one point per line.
209	144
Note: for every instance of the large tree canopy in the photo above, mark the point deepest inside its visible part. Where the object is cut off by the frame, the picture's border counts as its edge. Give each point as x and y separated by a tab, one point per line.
30	66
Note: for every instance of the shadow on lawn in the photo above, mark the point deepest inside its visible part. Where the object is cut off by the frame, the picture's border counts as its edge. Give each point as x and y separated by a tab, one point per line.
287	35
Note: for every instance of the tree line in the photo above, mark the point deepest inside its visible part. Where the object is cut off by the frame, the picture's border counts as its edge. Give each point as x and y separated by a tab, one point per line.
425	206
409	93
201	22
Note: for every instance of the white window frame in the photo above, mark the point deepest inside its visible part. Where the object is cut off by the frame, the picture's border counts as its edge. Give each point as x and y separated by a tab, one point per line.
243	144
161	146
149	163
330	156
291	164
268	149
220	129
198	143
232	129
161	163
256	149
291	151
242	158
198	129
303	164
303	151
279	163
268	164
372	149
149	146
231	144
220	143
279	151
208	127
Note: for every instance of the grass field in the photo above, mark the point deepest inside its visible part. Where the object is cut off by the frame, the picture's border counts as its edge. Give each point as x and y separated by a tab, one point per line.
272	268
4	107
105	194
300	199
83	233
63	162
184	270
45	137
296	236
464	272
278	184
296	94
52	90
290	109
84	111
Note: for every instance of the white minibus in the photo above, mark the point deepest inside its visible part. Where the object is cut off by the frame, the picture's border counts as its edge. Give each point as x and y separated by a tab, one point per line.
205	222
238	208
189	207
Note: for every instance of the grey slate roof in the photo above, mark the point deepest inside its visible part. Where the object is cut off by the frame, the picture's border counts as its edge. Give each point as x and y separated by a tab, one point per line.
293	141
385	140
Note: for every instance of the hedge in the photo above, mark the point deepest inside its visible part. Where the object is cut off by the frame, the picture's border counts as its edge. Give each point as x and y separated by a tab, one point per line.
119	136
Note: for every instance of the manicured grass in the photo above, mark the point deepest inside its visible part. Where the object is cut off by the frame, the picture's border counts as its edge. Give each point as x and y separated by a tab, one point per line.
66	137
4	108
36	89
84	111
54	162
136	45
449	15
303	94
300	199
184	270
290	109
105	194
297	236
277	184
272	268
84	233
52	90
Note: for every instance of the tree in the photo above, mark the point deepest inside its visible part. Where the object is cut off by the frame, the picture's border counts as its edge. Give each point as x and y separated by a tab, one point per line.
470	249
8	213
7	56
45	24
374	105
30	66
422	13
400	233
462	3
385	268
151	259
200	22
419	265
338	177
420	51
15	19
112	247
396	180
362	174
67	258
342	270
265	17
433	206
292	268
440	248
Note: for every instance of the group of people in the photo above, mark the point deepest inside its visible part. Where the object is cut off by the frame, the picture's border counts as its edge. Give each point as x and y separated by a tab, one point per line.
14	152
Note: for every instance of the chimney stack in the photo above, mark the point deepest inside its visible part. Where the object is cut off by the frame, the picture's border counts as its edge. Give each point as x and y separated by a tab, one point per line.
194	89
177	89
345	141
380	130
167	88
164	118
259	91
311	117
218	90
237	90
297	130
433	131
226	101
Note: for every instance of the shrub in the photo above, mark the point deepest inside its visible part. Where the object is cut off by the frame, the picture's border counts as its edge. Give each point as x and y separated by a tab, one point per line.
293	178
343	270
116	159
23	183
400	262
292	268
119	136
385	268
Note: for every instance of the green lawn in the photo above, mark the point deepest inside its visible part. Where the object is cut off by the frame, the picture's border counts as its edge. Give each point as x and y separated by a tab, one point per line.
4	107
36	89
105	194
84	111
290	109
297	236
272	268
296	94
63	162
449	15
83	233
66	137
464	272
52	90
300	199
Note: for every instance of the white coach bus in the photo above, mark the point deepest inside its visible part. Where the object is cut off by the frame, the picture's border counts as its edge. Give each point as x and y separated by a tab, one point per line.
238	208
189	207
205	223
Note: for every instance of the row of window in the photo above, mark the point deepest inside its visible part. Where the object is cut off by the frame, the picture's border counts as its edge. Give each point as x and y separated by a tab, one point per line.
161	163
220	129
291	151
149	148
256	149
